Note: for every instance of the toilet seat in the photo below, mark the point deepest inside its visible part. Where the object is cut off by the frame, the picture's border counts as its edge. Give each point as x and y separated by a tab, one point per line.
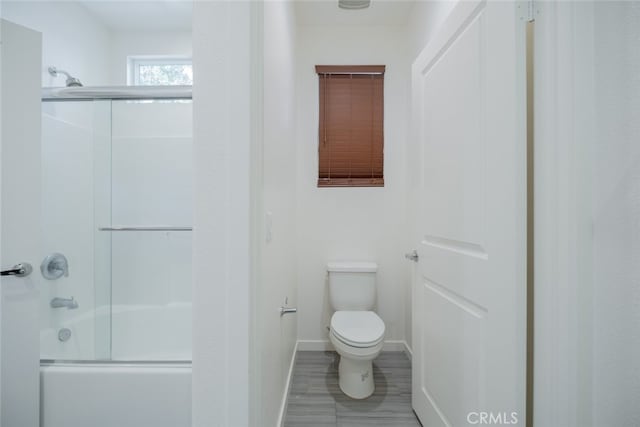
360	329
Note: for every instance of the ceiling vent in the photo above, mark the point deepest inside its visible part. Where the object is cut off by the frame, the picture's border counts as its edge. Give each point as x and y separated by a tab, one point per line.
353	4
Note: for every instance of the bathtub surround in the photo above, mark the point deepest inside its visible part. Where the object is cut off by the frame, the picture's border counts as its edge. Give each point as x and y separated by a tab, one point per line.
89	46
118	162
68	131
151	184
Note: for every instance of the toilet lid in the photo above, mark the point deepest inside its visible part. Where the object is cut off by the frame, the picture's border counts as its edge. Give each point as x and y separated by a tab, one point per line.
357	328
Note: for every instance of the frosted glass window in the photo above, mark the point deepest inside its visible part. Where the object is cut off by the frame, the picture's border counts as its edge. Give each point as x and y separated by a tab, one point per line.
160	71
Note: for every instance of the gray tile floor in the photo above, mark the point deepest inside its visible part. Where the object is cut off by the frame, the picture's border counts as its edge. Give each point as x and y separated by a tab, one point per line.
315	398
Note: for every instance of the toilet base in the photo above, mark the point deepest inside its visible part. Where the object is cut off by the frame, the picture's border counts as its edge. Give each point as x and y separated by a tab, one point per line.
356	377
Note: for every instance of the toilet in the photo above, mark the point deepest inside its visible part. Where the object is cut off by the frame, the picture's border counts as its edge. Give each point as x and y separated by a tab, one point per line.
356	331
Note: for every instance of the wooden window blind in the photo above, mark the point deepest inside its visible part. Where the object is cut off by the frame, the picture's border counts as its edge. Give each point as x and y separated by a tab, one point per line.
351	126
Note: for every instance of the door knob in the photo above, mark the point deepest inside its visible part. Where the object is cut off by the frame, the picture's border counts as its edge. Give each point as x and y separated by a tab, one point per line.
412	256
19	270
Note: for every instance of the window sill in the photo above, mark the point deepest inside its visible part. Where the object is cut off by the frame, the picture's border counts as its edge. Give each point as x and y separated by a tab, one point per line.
350	182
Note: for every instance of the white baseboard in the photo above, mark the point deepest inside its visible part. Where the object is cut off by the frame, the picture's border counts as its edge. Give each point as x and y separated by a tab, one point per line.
325	345
408	351
285	397
393	345
314	345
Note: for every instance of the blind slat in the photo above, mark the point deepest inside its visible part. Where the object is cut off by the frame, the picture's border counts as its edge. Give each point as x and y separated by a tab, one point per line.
351	125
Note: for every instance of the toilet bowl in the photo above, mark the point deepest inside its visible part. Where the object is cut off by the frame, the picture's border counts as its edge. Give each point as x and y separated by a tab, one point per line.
358	338
356	331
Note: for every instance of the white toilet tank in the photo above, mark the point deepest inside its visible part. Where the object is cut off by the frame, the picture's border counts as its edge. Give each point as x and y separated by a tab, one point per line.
352	285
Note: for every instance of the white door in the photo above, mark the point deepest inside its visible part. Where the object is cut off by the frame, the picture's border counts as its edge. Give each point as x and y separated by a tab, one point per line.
20	224
469	309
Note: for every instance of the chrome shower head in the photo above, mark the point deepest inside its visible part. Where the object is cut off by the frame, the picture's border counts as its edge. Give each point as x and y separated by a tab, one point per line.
71	81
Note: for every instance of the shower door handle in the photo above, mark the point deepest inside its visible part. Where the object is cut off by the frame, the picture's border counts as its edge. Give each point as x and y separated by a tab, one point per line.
19	270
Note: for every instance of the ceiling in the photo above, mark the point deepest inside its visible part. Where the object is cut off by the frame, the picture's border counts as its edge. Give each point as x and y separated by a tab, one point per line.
176	15
327	12
157	15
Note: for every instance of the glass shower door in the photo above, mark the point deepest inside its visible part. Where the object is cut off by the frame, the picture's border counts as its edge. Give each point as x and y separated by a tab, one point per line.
150	216
117	207
75	305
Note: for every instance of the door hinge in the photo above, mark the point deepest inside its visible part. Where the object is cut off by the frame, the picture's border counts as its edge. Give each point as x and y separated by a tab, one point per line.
528	10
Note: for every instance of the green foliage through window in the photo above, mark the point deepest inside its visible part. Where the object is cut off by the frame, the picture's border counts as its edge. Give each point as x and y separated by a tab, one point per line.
165	74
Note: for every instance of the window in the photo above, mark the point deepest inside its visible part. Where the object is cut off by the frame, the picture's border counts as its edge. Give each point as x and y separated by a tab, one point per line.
351	134
160	71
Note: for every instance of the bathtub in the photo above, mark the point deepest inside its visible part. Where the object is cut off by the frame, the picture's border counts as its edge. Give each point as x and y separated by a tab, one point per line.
148	383
115	395
121	332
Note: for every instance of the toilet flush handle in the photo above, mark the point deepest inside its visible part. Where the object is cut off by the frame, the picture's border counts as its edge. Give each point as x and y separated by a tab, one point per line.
287	310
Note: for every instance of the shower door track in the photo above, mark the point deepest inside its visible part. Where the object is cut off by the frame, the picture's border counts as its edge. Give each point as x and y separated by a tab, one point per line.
99	362
143	228
115	93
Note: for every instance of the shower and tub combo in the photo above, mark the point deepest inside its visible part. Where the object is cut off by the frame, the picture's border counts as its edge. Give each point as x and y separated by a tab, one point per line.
117	212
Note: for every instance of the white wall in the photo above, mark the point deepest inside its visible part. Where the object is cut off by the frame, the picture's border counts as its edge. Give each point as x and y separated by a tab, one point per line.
587	370
73	40
224	47
351	223
616	209
130	43
278	273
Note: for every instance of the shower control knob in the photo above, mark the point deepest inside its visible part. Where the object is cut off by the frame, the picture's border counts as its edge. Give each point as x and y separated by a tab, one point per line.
64	334
54	266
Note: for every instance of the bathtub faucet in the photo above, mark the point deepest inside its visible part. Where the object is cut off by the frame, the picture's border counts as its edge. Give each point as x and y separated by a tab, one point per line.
70	303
